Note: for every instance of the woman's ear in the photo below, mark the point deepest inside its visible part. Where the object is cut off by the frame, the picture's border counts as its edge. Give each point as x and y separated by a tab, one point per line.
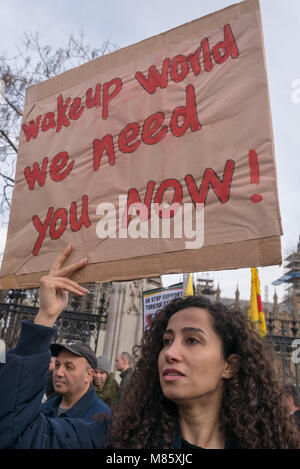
232	365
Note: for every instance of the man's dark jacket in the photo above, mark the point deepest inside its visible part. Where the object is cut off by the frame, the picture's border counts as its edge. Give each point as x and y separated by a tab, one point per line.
23	380
86	408
125	378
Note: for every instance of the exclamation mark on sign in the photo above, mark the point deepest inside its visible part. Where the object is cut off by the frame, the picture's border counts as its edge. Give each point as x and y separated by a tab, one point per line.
254	175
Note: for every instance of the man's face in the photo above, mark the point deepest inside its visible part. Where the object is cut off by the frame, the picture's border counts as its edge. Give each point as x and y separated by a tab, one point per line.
72	374
100	377
120	363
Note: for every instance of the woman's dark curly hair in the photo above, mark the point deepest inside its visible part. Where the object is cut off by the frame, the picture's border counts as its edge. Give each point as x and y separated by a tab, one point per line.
253	410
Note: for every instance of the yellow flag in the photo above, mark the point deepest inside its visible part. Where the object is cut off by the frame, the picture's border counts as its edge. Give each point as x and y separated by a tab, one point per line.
188	285
256	313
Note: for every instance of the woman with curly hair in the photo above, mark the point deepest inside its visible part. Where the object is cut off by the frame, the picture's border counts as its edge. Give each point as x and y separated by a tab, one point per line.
203	379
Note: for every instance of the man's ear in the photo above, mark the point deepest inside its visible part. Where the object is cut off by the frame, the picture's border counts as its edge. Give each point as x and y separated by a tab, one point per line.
232	365
91	374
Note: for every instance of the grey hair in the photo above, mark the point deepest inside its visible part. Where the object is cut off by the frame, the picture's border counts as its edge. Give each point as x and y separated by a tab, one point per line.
127	356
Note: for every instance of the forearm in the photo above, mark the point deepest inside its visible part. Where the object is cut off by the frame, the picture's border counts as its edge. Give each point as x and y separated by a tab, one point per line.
43	319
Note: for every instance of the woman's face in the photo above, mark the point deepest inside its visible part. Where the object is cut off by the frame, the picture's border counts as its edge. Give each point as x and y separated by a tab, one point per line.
191	363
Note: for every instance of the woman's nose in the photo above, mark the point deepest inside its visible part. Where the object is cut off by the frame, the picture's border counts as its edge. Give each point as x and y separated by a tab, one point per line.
173	353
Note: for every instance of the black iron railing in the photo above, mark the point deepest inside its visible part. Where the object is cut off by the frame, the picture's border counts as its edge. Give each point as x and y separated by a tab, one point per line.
71	325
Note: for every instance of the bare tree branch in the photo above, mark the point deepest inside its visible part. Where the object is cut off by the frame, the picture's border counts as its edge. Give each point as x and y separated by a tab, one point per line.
7	198
8	140
14	107
32	63
8	178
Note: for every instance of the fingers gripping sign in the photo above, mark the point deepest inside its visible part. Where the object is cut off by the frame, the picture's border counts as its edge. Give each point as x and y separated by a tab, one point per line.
55	286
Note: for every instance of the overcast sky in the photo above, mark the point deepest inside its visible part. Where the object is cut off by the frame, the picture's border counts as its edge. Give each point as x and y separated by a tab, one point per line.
127	22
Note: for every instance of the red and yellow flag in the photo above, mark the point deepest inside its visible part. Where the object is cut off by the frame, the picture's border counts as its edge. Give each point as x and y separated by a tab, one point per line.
256	313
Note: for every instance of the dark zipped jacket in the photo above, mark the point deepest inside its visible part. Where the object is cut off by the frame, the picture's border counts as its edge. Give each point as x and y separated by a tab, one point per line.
23	380
87	407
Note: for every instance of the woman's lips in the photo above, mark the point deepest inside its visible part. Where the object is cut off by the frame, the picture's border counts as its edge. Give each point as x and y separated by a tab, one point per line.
171	374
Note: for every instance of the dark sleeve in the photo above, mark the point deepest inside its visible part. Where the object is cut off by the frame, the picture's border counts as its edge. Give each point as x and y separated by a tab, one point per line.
23	379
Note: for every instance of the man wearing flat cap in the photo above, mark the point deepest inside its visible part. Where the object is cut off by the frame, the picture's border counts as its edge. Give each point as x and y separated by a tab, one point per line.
73	374
106	386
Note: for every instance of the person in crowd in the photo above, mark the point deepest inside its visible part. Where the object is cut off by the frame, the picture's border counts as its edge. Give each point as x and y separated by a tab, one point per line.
73	375
292	397
202	379
105	384
123	364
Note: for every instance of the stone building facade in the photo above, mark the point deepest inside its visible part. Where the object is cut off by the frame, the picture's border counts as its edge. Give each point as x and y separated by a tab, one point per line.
120	303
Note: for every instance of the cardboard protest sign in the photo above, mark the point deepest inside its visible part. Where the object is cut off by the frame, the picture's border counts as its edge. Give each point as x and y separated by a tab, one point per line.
154	300
157	158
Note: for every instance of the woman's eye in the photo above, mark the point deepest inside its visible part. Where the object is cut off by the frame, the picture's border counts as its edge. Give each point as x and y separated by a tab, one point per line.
167	340
192	340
